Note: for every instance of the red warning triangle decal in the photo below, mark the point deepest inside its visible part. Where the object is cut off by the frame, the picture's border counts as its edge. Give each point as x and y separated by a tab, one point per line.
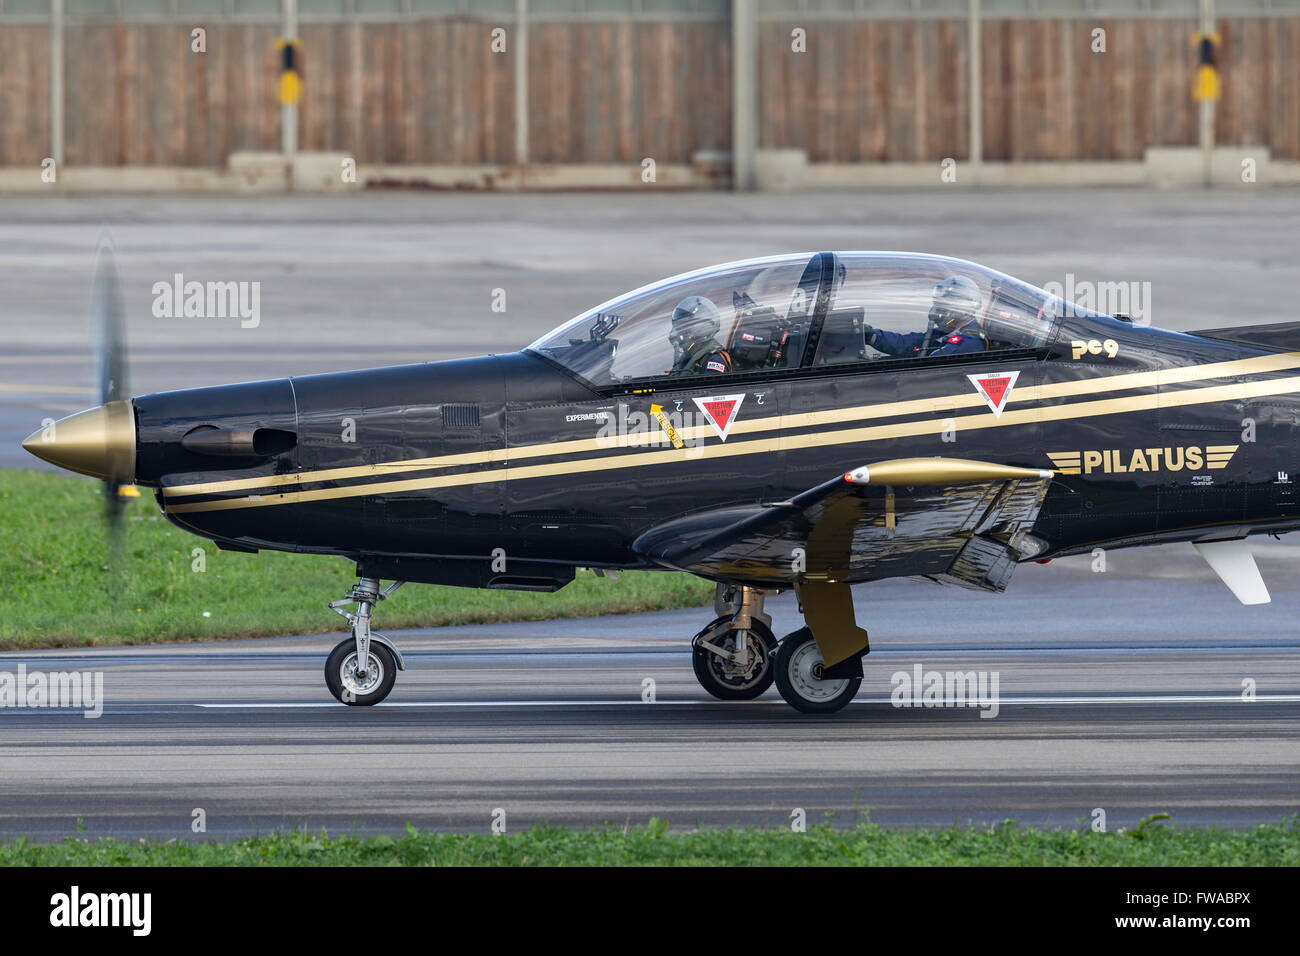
720	411
995	388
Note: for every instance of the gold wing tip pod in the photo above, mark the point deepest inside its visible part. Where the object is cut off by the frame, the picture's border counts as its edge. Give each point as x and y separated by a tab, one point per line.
939	471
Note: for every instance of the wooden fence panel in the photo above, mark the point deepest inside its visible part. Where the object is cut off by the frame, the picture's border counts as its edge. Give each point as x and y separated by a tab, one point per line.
136	95
622	91
24	95
1260	101
432	91
882	91
866	91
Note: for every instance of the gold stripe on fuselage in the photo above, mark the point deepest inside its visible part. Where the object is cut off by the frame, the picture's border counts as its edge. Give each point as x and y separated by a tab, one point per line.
1259	364
870	433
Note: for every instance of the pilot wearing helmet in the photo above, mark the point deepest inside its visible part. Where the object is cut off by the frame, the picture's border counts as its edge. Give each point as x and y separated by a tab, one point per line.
953	328
694	337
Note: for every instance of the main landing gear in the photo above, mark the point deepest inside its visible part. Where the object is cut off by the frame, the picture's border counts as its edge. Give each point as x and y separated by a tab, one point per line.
737	657
732	657
350	681
803	678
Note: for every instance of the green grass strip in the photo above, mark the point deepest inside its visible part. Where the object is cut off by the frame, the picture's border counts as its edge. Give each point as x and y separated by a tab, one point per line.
1149	844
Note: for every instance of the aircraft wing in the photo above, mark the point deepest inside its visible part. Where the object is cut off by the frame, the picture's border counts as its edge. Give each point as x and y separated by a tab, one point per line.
954	520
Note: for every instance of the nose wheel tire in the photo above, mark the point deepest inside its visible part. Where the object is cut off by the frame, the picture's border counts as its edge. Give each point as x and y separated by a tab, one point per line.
732	680
351	686
798	672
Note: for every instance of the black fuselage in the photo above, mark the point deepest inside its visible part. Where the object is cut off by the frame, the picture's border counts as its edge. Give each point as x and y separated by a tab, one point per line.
425	472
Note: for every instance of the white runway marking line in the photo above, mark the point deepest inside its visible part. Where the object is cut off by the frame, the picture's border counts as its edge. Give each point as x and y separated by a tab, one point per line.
1005	702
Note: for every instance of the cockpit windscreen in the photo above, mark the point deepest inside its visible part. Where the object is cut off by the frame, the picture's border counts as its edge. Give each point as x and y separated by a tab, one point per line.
803	310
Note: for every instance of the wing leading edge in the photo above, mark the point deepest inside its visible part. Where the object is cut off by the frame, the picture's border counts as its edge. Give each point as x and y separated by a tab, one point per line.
954	520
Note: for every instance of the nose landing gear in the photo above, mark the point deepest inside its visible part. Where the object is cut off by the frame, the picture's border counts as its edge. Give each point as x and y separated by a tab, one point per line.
350	681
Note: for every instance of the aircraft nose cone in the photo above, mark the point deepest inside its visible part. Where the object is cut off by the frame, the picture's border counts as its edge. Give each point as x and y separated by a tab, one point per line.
99	442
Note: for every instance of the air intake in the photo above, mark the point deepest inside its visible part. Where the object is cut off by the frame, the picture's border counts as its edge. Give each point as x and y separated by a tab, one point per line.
238	442
460	416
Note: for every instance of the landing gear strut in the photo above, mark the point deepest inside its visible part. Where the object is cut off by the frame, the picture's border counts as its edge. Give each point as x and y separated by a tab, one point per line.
803	677
361	670
732	657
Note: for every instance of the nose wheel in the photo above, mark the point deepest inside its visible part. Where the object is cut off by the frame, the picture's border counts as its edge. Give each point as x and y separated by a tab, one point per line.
361	670
358	686
800	677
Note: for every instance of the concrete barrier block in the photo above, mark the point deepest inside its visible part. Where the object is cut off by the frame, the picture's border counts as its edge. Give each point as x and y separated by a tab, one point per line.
1177	167
1283	172
251	172
780	170
629	176
25	179
997	174
324	173
711	168
468	177
108	180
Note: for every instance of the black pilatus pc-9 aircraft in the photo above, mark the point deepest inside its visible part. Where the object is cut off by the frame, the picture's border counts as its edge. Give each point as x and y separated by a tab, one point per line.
807	421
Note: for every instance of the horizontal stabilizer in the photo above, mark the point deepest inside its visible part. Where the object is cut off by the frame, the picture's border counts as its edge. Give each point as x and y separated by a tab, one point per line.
1235	566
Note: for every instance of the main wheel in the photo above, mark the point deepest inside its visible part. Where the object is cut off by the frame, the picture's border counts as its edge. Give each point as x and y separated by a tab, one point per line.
799	677
341	674
727	680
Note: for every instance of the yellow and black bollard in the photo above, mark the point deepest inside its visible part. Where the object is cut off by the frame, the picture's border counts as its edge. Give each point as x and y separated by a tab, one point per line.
1206	88
1207	71
290	71
290	90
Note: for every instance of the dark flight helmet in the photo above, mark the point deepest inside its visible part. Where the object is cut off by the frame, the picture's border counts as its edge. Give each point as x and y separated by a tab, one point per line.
695	319
956	301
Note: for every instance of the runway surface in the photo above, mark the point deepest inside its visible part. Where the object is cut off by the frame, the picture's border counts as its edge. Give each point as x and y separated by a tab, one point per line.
1119	690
